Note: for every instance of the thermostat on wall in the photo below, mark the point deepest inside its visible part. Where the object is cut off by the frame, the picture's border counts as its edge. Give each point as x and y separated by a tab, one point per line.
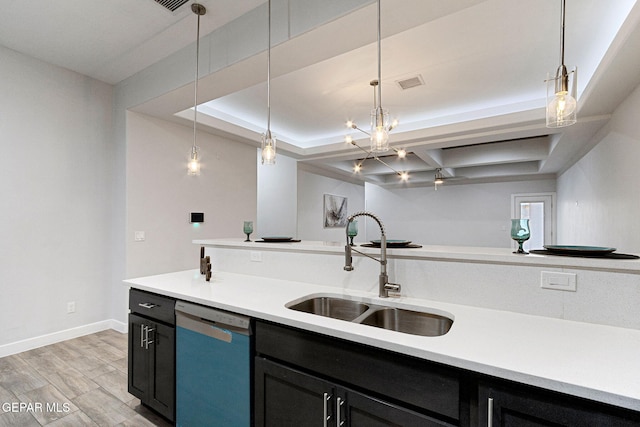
197	217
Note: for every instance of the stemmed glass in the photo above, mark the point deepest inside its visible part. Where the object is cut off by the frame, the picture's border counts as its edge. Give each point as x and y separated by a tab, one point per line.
352	230
248	229
520	233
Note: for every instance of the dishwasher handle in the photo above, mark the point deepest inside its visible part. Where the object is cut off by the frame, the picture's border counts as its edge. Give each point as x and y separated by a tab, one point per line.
209	321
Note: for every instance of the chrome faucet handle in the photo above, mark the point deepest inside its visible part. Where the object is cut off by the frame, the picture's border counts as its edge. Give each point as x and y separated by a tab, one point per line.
393	289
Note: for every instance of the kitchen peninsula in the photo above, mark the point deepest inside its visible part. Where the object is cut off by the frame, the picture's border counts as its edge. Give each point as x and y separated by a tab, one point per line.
506	327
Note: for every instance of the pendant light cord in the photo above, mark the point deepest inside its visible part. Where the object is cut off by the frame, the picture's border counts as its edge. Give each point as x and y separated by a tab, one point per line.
195	85
379	60
269	71
562	33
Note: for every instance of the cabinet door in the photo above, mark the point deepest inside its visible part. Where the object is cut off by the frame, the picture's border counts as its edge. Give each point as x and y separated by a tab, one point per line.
289	398
152	364
162	366
138	366
358	410
523	406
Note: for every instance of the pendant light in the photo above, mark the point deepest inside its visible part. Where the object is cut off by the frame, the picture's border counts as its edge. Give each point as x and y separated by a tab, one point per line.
561	90
438	178
193	167
380	125
268	140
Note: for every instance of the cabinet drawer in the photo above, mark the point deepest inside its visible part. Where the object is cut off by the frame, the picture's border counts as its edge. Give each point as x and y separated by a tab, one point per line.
152	305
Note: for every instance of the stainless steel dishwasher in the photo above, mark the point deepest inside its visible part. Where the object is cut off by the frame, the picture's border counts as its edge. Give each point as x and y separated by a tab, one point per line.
213	364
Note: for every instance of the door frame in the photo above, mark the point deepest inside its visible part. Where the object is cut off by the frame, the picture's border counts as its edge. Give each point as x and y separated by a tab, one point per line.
549	200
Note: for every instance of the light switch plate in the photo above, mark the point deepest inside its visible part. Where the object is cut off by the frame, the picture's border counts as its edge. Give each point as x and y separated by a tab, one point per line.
558	281
138	236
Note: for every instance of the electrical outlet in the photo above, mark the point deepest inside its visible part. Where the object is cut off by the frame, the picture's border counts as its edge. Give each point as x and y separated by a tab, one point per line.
71	307
558	281
138	236
256	256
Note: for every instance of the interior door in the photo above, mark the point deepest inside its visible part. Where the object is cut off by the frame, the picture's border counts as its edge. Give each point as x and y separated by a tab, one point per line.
539	209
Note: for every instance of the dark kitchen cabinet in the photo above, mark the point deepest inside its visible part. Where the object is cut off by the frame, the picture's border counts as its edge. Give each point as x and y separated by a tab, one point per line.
506	404
361	410
151	376
302	378
290	398
293	398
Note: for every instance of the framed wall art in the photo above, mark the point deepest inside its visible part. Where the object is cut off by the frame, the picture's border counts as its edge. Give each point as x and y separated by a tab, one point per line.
335	211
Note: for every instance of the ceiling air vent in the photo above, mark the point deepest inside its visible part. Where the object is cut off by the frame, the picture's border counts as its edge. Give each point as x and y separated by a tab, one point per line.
172	5
410	82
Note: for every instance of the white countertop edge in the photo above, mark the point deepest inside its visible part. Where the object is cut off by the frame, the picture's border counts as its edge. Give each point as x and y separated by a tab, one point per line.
441	253
463	347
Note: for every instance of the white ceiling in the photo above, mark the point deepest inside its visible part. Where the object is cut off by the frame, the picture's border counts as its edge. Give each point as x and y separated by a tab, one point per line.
109	40
480	114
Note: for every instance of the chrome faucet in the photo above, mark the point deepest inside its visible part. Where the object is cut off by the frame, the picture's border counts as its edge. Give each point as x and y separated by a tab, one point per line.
384	285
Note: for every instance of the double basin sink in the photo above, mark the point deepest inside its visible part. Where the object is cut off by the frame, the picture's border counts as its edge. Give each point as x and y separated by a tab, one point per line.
380	316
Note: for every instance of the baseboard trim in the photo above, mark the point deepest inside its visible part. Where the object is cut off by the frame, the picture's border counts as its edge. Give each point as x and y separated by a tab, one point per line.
55	337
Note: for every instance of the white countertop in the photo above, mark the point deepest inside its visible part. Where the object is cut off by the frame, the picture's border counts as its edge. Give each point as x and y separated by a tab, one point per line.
442	253
582	359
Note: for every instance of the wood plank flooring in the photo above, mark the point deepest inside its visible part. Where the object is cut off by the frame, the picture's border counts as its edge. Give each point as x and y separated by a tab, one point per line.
79	382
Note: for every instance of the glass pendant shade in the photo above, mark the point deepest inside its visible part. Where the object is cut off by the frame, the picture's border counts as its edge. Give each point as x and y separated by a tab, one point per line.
561	98
379	130
268	149
193	167
438	179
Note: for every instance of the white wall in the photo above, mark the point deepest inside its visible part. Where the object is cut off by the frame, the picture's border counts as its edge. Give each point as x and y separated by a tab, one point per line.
598	198
277	198
311	191
160	194
55	182
175	74
455	215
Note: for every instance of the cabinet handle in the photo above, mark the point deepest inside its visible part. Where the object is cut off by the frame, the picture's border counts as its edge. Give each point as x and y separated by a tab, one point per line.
339	421
490	412
142	329
325	410
144	336
147	305
148	341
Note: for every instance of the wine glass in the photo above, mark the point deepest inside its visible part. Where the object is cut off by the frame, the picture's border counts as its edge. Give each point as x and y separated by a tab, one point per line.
520	233
248	229
352	230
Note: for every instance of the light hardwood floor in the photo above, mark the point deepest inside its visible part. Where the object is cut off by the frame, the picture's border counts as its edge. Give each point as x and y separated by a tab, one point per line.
79	382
